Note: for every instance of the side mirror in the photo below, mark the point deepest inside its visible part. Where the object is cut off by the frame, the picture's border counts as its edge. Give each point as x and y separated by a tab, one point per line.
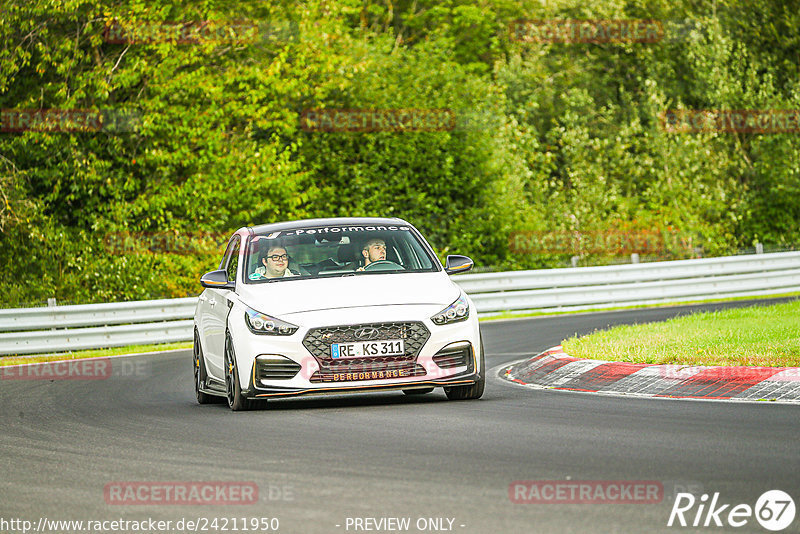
217	280
458	264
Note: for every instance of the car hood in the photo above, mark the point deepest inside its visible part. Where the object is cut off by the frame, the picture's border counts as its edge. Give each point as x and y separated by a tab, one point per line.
294	296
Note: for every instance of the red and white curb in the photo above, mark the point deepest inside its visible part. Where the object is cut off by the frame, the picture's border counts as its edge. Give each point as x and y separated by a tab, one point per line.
555	369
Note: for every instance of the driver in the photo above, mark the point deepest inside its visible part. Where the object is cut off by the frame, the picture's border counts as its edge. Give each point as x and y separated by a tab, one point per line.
275	263
374	250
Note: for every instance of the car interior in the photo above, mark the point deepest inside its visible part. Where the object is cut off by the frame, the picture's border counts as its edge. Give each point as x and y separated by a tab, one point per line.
344	256
312	255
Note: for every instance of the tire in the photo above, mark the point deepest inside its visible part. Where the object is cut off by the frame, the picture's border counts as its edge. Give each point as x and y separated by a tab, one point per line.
236	401
200	375
417	391
474	391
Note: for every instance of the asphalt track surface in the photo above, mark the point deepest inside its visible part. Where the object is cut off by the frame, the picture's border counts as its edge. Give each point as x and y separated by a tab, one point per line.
318	462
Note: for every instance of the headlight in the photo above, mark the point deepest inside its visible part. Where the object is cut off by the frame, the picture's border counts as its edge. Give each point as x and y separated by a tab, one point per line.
260	323
457	311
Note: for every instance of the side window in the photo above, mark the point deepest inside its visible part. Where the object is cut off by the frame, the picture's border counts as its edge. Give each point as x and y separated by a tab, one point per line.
231	259
394	254
406	253
227	253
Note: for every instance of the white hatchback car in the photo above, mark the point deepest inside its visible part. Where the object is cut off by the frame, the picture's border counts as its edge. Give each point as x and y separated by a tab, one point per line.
334	306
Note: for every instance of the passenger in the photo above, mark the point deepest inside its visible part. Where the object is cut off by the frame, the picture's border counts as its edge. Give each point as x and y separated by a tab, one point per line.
275	263
374	250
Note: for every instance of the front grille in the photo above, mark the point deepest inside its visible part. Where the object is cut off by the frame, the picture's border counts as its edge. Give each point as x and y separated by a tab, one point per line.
454	355
276	368
318	342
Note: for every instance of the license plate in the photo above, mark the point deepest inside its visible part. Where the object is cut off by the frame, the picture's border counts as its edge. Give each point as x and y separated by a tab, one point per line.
364	349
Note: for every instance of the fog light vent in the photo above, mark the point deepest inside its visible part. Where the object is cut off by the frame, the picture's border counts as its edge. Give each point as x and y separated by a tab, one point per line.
454	355
275	367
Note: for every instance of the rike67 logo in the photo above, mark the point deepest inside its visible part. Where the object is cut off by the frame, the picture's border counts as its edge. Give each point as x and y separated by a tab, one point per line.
774	510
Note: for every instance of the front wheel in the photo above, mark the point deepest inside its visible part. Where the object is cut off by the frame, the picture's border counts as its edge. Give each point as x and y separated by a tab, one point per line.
236	401
473	391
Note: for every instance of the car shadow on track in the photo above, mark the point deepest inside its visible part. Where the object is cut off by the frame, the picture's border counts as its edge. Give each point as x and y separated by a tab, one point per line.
344	401
355	400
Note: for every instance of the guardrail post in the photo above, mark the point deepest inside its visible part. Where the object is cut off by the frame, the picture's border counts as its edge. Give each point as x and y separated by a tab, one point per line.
759	248
51	303
634	258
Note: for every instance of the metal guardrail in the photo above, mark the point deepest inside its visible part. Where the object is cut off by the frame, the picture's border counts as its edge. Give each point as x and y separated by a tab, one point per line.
143	311
117	324
62	328
582	288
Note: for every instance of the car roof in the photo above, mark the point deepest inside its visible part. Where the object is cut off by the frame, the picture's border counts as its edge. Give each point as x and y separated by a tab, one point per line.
332	221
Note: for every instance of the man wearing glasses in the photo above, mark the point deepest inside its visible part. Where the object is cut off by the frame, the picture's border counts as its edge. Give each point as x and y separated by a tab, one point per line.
275	263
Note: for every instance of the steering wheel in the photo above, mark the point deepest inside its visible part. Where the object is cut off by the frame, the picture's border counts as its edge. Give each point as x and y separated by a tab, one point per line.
383	265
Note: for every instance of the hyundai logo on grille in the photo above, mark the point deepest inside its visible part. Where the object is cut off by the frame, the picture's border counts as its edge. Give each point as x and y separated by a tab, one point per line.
366	333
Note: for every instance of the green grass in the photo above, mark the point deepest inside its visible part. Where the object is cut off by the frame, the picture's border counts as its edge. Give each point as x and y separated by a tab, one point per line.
762	336
94	353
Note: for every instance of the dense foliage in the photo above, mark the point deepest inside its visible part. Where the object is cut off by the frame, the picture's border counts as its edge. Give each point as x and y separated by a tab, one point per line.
549	139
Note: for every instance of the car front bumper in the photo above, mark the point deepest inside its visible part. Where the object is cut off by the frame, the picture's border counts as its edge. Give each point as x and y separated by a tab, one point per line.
430	366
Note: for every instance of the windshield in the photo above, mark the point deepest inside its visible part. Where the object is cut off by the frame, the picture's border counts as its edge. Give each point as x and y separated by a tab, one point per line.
325	251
